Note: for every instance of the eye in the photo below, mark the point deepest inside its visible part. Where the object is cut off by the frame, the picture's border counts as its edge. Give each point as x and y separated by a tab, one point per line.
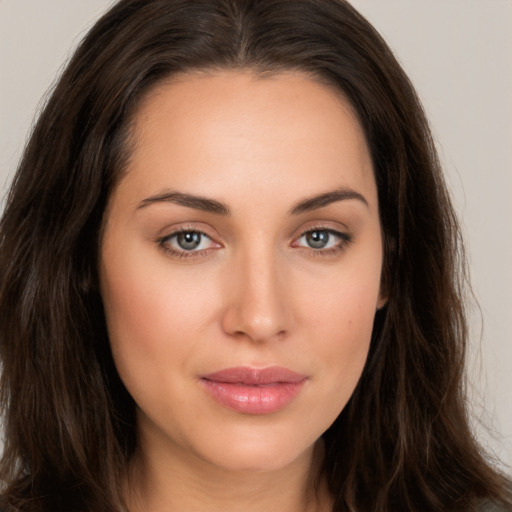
323	239
185	242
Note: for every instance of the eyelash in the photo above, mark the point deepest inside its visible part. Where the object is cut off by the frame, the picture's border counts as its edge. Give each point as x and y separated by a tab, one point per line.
344	240
164	244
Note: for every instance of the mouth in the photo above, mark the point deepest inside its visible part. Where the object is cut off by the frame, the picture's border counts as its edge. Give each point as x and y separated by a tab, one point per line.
252	390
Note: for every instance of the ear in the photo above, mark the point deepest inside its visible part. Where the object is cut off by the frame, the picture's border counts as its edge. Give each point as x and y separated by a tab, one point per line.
385	278
384	293
382	299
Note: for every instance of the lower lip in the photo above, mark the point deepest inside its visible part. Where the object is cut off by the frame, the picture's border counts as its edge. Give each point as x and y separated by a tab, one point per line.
253	399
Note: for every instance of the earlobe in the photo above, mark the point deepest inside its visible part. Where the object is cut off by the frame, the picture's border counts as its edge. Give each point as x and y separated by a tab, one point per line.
389	248
382	300
383	297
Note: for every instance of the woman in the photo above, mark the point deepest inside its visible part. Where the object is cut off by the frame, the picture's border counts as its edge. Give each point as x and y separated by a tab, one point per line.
230	276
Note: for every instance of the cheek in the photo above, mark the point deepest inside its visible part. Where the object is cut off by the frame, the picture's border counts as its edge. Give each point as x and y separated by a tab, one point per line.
149	311
342	301
340	320
344	327
156	325
343	358
159	316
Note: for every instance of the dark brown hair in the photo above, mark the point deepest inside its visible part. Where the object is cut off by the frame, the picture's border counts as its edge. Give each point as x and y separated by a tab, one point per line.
403	441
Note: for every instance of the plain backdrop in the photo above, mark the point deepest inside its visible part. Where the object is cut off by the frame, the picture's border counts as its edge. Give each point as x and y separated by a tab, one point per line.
458	54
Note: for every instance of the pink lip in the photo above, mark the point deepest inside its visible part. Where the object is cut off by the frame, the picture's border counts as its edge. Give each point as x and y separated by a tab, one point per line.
253	390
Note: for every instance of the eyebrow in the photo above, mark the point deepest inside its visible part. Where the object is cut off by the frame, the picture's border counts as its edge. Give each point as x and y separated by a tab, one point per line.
216	207
190	201
325	199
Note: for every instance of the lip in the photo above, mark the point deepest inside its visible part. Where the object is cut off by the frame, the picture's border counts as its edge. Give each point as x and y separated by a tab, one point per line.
254	390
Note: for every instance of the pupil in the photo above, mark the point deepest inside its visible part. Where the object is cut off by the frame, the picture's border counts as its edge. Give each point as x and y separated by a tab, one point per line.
189	240
317	239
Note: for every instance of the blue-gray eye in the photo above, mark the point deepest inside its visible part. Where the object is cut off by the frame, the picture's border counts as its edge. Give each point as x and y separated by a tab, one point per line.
188	241
317	239
320	239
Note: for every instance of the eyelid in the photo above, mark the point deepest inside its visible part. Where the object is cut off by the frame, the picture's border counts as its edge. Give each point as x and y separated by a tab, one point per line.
344	236
163	242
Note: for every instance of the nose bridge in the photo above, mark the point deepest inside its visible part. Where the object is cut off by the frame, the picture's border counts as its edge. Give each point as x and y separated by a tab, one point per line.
258	307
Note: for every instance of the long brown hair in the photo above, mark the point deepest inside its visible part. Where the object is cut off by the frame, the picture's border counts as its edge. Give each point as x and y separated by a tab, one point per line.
403	441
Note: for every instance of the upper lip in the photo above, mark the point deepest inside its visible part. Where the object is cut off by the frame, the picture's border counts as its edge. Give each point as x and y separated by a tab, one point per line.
254	376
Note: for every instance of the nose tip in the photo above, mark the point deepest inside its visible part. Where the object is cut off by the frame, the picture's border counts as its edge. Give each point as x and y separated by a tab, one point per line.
257	328
257	309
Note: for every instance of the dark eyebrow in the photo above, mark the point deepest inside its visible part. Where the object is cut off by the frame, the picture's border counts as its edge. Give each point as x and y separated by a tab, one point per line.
216	207
321	200
188	200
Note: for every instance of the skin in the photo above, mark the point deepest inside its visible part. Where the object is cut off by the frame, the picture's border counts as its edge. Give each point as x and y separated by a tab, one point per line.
254	293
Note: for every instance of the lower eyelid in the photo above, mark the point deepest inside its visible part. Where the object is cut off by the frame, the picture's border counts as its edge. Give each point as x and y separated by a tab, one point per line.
180	253
173	250
183	254
344	238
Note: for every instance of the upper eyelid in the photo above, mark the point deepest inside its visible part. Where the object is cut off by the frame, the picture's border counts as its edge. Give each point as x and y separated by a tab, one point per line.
323	228
298	233
344	237
336	225
341	230
170	231
187	230
179	231
176	252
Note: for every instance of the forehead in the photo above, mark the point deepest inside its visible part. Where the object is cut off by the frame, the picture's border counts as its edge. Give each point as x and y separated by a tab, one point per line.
214	132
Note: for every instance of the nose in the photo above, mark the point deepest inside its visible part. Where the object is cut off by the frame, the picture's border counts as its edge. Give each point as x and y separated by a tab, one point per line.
257	307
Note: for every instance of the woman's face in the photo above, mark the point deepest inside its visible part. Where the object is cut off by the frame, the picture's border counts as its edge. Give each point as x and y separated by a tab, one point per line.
240	268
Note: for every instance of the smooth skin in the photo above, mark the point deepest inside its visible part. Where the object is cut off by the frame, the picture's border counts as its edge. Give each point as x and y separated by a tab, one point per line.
245	232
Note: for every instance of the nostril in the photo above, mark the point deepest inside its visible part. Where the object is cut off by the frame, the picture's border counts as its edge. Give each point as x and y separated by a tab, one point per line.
257	306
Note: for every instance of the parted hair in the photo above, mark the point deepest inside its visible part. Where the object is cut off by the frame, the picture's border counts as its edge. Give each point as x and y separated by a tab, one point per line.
403	441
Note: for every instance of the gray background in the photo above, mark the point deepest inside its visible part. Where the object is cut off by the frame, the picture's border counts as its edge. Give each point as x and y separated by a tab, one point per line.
458	53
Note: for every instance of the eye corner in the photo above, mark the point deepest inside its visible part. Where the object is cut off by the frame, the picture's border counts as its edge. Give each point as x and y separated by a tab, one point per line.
187	242
322	240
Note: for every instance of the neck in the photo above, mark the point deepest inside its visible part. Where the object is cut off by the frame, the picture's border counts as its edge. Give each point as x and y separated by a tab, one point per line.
173	486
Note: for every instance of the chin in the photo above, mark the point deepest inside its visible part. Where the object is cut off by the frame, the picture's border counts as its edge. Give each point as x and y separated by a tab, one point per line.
258	452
